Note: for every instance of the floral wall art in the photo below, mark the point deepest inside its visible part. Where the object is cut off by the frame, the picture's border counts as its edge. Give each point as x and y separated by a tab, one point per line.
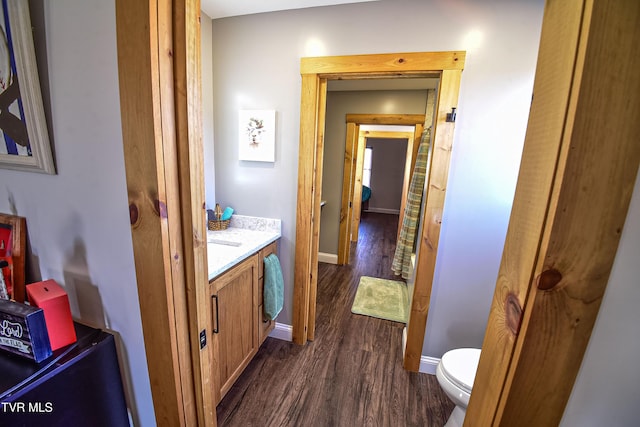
24	139
257	135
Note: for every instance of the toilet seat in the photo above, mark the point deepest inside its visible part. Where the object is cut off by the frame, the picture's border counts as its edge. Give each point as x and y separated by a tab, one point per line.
460	366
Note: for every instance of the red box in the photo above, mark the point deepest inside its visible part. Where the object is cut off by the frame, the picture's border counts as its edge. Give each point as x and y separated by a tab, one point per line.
53	300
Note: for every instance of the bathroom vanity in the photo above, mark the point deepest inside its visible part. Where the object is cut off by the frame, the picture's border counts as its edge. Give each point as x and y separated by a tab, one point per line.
236	282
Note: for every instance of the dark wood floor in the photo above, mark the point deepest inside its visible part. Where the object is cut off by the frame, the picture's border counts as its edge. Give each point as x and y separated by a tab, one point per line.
352	374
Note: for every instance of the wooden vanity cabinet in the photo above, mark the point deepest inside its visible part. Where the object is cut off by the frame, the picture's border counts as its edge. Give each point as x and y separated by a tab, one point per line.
236	317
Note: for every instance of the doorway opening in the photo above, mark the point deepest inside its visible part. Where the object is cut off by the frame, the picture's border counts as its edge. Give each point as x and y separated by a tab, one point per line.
361	128
316	72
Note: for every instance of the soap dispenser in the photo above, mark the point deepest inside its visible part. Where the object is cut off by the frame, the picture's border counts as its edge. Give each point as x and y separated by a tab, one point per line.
218	212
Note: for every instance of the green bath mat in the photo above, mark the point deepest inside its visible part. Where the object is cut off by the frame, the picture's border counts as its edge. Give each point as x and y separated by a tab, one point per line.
381	298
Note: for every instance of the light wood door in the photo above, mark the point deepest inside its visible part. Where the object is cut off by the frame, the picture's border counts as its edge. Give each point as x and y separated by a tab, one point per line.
235	320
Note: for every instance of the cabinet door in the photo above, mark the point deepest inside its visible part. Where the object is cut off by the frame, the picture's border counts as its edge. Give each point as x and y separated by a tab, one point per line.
235	317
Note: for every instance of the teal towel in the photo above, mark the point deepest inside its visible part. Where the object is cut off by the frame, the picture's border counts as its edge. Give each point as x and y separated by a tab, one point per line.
227	213
273	287
366	193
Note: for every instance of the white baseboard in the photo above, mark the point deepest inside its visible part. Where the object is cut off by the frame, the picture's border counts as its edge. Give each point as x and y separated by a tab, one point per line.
428	365
328	258
404	341
384	211
283	332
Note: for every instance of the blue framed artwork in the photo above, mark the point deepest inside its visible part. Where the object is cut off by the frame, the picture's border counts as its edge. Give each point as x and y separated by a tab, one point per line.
24	139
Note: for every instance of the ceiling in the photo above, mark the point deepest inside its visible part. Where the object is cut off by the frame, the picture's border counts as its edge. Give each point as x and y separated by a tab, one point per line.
225	8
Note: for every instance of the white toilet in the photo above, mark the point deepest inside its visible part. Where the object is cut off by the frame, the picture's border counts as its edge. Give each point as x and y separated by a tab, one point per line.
456	372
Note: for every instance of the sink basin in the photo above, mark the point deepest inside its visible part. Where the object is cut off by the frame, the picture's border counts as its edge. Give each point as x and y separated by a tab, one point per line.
224	242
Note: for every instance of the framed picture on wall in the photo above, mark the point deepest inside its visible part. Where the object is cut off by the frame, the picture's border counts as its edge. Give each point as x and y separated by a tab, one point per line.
24	138
257	130
13	239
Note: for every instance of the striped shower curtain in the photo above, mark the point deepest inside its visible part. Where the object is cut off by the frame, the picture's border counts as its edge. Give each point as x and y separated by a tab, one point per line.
404	247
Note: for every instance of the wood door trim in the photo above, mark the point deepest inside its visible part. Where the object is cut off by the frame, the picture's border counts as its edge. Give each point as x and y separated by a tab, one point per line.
381	134
354	121
305	213
188	110
158	67
357	190
435	185
360	66
411	64
317	197
348	175
385	119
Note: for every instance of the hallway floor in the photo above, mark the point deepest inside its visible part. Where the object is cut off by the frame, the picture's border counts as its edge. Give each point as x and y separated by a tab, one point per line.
352	374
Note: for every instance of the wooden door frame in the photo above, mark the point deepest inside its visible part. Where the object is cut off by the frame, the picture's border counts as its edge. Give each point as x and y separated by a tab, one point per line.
354	121
579	166
356	200
160	99
352	171
447	66
349	172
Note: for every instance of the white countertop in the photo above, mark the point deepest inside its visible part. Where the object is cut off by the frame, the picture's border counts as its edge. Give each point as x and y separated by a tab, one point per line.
244	237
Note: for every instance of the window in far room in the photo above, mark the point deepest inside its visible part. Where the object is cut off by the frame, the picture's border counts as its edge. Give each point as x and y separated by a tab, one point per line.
366	169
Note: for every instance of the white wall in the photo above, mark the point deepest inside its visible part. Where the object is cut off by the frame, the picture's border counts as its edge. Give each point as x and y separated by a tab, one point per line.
606	391
77	220
387	173
256	65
